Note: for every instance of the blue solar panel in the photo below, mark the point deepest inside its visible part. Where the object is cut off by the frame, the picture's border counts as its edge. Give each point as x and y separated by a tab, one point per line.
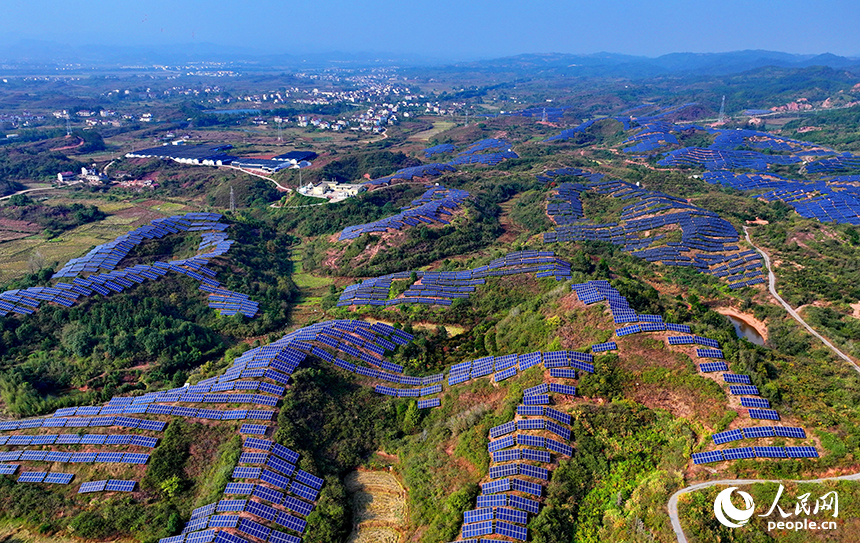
766	414
533	471
293	523
505	470
494	487
274	479
259	444
285	453
479	529
708	367
231	505
755	402
478	515
246	473
503	429
32	476
281	537
738	454
114	485
259	429
801	452
770	452
511	530
262	510
739	379
224	521
564	418
280	465
789	431
540	399
493	500
311	480
726	437
92	486
304	491
253	528
135	458
535	455
707	457
526	504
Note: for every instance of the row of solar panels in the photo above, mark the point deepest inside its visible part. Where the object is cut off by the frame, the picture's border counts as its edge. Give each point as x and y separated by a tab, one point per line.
755	432
74	458
754	452
429	209
108	255
76	439
81	422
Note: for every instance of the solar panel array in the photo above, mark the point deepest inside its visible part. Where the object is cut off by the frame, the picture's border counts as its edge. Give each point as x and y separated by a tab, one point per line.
572	132
104	277
755	452
431	208
439	149
407	174
441	288
708	243
275	479
755	432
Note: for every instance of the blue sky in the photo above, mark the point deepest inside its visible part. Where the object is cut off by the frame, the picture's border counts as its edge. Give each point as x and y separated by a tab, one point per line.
451	29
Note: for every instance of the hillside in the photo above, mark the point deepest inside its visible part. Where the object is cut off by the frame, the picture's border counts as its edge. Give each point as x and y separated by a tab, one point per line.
516	331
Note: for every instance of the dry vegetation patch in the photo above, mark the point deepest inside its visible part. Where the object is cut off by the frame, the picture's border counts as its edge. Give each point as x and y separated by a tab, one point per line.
378	507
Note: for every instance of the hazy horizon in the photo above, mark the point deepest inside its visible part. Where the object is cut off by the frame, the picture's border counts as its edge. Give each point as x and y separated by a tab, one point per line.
448	31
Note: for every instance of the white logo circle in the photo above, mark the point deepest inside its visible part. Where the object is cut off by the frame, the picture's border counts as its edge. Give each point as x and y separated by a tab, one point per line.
723	508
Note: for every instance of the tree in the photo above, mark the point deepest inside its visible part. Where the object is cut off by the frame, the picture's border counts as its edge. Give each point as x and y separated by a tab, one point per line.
20	200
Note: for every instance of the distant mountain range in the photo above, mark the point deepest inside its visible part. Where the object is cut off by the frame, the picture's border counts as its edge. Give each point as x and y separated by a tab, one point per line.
611	64
35	53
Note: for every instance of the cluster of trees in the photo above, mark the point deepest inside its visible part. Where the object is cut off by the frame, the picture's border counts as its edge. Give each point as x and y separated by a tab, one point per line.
53	218
375	164
22	163
365	208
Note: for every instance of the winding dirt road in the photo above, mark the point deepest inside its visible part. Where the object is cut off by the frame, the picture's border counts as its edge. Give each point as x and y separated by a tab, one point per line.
673	500
771	285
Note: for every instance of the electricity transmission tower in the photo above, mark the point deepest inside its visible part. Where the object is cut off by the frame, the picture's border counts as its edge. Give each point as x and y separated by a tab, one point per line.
232	200
723	110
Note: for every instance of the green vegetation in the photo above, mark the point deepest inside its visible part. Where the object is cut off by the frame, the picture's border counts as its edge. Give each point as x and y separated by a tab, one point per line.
636	419
55	219
23	164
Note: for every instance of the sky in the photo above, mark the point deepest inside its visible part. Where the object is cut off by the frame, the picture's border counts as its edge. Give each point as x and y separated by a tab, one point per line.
445	29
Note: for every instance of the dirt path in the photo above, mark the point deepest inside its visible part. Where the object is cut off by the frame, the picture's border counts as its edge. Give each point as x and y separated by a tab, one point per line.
25	191
280	187
673	500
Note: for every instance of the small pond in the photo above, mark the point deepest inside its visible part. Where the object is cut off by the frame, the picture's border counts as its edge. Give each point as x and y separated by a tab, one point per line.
744	329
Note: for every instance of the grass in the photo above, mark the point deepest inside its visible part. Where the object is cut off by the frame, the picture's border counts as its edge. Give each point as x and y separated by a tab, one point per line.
306	280
169	207
438	128
14	532
20	256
